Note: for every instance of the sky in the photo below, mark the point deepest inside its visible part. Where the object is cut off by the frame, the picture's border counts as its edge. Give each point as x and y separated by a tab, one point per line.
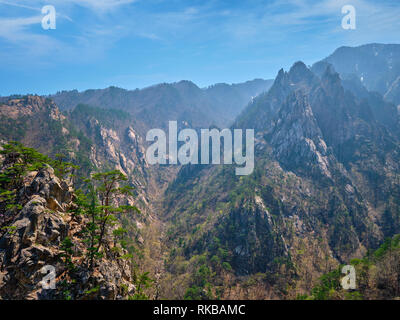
137	43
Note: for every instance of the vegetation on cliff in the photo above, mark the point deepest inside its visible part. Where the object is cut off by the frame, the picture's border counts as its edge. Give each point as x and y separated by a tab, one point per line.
43	221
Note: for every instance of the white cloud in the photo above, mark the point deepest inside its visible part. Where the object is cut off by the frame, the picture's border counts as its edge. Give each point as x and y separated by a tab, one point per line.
281	18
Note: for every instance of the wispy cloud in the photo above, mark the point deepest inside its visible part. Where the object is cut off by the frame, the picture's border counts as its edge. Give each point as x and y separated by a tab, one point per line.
259	22
103	4
19	5
96	5
21	30
283	17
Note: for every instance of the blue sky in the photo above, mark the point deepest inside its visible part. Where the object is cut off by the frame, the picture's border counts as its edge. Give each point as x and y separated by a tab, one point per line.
137	43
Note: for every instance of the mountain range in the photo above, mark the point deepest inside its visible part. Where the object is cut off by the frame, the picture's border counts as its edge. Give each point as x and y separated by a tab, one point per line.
324	190
182	101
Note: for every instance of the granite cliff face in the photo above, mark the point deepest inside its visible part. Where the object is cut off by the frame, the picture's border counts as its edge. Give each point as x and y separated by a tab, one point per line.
297	138
93	138
393	93
96	140
31	238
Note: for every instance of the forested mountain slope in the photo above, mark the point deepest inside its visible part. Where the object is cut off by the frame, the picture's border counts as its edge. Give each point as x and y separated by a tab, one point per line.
323	192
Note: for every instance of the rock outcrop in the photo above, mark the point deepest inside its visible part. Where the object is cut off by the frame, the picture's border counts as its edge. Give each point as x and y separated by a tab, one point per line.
297	139
31	243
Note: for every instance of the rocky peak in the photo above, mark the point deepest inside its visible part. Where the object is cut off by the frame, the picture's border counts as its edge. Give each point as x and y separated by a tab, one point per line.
58	193
299	76
28	106
282	78
299	71
186	84
296	137
331	82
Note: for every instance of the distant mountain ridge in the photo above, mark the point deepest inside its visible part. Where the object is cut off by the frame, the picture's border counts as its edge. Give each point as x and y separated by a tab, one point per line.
376	65
181	101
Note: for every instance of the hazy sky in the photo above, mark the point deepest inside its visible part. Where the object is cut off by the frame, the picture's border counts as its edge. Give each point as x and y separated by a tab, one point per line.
137	43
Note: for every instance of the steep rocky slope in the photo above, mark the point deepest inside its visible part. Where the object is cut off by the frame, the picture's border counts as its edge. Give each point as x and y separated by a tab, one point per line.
322	193
33	234
377	277
96	140
393	93
36	122
90	137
